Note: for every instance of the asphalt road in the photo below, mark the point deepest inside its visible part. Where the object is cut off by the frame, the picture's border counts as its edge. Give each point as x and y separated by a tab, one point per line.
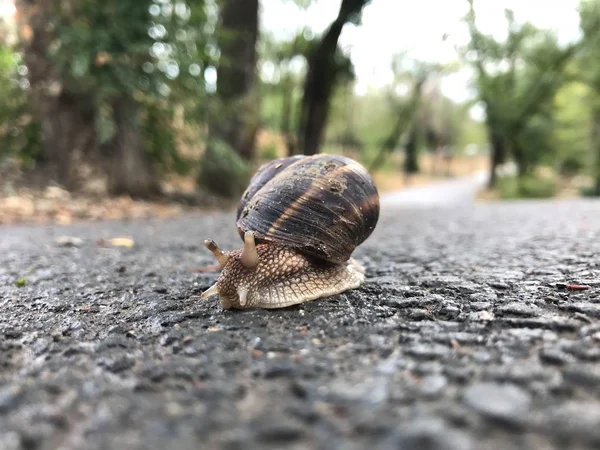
464	336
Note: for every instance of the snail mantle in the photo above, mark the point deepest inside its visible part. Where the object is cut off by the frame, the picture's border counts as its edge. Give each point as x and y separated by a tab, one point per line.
300	219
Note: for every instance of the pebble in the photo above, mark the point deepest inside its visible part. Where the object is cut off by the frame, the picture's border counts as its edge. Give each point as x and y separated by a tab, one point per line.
481	316
432	386
504	402
519	309
428	434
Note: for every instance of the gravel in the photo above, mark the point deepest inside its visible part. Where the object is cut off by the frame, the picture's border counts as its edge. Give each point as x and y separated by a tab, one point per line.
466	335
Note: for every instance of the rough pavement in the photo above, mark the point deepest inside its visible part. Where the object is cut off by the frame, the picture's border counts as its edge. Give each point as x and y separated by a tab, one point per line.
465	336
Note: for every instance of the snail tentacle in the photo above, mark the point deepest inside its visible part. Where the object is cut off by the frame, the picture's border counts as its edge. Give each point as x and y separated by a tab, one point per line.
222	257
249	255
213	290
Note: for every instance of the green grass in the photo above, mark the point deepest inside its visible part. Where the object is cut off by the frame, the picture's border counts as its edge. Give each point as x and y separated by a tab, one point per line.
529	186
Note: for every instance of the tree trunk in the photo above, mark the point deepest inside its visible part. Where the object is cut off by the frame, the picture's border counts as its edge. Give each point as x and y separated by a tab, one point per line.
497	156
67	119
129	169
238	121
596	145
320	80
411	163
405	116
286	115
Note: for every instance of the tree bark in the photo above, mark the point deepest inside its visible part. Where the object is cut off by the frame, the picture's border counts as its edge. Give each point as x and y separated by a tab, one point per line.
286	115
411	163
596	146
497	155
238	122
404	118
66	118
129	168
320	80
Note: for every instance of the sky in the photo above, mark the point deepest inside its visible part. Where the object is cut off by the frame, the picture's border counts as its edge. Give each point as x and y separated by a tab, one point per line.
393	26
7	8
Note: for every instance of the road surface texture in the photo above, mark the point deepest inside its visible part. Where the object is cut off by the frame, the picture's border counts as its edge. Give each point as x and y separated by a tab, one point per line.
465	336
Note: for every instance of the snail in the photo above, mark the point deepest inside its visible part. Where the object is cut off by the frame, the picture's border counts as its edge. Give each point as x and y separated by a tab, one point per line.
300	218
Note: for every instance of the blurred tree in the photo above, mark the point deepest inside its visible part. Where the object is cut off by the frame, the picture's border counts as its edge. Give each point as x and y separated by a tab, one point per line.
322	77
234	121
287	61
405	116
572	132
101	73
66	117
19	128
236	76
414	114
590	25
516	81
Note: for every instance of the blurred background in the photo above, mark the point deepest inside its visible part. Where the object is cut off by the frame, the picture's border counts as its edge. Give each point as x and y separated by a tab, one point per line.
137	107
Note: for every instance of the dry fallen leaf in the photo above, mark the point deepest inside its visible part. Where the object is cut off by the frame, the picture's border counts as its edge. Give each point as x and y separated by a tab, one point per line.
122	242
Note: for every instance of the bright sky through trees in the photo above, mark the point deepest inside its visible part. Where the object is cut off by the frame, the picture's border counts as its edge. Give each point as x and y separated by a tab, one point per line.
393	26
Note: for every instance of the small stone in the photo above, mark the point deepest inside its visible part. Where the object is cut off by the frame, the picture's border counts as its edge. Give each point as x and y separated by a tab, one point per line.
116	365
582	375
555	356
277	369
504	402
519	309
13	334
11	440
40	346
299	389
9	397
428	351
68	241
279	431
588	309
575	420
433	385
480	306
427	433
481	316
169	338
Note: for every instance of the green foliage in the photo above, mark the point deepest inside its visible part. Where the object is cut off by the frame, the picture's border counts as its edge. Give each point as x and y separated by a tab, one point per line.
152	51
161	139
589	191
573	128
590	25
268	152
529	186
19	128
517	81
223	171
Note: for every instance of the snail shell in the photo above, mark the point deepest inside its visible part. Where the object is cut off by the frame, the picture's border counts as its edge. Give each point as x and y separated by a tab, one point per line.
322	205
300	218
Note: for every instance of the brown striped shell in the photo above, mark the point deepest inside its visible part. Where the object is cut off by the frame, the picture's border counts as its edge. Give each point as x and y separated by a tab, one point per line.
322	205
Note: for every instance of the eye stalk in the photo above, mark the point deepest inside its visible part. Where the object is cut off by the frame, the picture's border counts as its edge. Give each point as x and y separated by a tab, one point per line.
249	255
222	257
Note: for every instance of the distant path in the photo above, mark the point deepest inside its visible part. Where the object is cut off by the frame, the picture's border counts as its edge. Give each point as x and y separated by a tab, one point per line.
444	193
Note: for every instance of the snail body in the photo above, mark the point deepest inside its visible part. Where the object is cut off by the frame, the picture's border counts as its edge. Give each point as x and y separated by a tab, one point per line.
300	218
